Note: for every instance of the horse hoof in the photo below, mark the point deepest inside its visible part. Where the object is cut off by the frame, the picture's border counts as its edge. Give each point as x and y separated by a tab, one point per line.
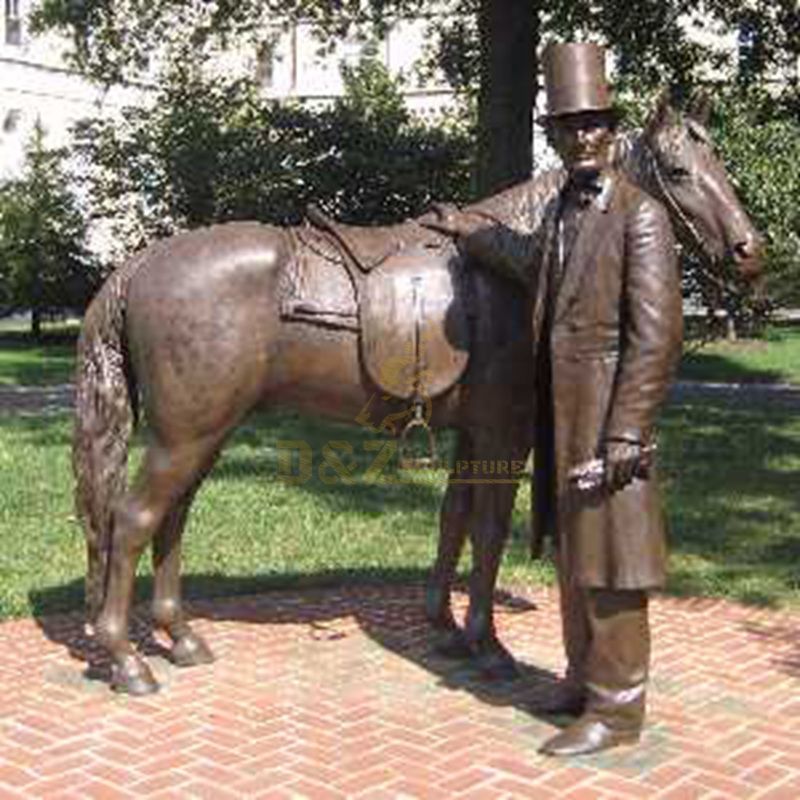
437	606
497	667
191	651
451	643
133	677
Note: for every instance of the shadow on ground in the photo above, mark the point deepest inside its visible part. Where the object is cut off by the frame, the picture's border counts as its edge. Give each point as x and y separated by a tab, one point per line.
704	366
391	617
730	472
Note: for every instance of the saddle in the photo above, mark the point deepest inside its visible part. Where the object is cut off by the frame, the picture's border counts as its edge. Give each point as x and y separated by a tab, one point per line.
401	287
367	247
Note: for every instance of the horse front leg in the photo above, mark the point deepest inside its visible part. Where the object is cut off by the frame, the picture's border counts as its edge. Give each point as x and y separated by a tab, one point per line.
493	503
488	534
449	638
453	519
188	648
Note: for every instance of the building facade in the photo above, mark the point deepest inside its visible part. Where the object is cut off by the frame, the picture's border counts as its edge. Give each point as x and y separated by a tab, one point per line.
37	82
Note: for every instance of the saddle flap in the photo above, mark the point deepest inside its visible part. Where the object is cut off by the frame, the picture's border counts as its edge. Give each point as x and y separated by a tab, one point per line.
367	246
414	322
315	286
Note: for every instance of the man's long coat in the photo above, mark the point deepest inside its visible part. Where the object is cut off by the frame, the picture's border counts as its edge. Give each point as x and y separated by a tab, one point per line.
614	339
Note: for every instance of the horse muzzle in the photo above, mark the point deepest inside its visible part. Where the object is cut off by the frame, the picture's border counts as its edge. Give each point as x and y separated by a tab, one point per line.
747	254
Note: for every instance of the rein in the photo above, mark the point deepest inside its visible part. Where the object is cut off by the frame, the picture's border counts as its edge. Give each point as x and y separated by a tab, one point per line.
651	168
654	169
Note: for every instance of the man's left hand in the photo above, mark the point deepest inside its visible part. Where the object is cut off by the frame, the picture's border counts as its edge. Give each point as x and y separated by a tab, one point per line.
623	460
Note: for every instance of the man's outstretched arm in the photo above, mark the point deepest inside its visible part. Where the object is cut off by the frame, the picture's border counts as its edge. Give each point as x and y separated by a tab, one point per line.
503	232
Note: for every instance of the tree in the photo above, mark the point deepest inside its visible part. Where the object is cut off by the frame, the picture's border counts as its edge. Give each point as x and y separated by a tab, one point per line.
759	140
509	34
212	149
44	264
487	49
490	43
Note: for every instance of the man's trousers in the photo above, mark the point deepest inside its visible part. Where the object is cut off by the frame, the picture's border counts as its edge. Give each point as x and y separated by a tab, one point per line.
607	642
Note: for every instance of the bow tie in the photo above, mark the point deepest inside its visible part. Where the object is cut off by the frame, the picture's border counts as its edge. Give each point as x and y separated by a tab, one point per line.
584	190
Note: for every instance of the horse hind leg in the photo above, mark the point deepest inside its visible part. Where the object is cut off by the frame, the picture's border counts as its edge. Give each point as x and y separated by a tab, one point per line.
188	648
168	472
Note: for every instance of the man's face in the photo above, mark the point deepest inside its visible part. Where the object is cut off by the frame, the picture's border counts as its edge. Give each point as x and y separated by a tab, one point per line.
583	140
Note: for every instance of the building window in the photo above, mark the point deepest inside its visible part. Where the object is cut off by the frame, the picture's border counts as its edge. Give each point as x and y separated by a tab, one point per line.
265	64
749	48
13	22
11	120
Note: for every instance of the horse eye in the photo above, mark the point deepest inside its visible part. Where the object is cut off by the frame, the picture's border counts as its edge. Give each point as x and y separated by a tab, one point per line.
678	173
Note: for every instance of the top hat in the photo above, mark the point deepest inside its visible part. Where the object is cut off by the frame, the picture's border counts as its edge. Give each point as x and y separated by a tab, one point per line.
575	78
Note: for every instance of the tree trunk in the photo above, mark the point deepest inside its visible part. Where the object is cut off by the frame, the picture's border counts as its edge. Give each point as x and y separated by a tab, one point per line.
36	323
509	31
730	328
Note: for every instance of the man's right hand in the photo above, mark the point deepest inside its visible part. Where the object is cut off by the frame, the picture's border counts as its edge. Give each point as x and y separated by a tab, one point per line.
446	218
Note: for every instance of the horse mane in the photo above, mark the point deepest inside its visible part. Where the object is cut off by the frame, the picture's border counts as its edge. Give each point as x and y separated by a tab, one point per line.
630	156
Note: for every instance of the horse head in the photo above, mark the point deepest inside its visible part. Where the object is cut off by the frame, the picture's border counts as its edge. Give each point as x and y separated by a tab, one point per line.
678	166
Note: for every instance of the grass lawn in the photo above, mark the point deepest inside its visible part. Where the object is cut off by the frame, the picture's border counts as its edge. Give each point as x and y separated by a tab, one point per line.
775	358
731	476
249	530
26	362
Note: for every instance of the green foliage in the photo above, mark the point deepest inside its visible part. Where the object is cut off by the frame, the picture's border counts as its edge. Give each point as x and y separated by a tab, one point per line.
769	37
651	41
211	149
760	145
44	265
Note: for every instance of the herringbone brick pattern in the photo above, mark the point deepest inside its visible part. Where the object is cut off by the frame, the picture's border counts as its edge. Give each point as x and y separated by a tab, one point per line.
335	693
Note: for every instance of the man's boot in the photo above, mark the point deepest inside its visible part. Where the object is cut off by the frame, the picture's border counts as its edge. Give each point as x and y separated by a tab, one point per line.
606	723
567	700
616	673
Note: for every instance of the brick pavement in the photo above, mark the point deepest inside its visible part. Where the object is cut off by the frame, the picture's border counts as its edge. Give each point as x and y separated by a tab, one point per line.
335	693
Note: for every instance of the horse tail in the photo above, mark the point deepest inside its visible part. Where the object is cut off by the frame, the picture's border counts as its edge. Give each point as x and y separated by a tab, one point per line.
106	412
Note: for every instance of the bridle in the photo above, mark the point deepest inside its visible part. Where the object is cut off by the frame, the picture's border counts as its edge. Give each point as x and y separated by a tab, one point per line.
653	168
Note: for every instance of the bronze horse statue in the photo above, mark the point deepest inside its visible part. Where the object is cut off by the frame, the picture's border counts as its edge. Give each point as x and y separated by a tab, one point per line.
198	330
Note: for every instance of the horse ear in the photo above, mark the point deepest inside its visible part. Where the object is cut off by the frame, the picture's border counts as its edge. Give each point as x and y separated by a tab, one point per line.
662	115
700	107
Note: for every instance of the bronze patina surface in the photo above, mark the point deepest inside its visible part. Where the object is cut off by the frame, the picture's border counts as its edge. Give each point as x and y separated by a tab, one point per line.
196	331
672	159
607	327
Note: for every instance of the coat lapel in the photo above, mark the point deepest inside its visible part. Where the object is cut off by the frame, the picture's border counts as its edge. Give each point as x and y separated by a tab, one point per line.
593	230
549	252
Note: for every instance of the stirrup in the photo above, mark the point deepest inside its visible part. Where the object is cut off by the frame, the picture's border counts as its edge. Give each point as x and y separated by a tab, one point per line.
431	461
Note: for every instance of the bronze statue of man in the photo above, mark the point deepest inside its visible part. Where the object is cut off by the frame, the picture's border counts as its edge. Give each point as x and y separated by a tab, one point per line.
607	333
